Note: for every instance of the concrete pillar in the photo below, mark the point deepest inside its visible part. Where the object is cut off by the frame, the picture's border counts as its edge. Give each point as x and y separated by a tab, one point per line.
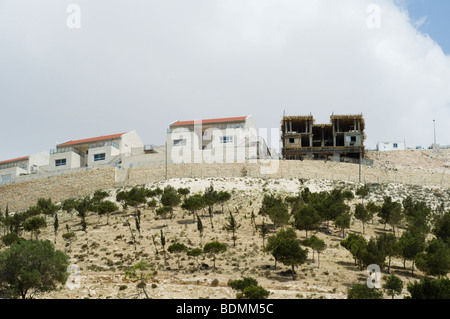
336	157
323	138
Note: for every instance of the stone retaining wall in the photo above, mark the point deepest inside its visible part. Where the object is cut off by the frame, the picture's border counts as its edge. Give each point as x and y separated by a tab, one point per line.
290	169
24	194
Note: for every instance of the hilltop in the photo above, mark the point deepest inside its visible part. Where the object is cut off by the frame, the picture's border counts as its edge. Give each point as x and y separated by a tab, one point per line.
421	160
106	251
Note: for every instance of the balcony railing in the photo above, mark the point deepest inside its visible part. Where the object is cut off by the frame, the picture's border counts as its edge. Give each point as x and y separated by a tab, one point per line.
9	165
65	150
110	143
179	130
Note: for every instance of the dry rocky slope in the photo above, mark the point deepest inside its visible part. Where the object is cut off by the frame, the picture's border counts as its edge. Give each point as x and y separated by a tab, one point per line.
104	252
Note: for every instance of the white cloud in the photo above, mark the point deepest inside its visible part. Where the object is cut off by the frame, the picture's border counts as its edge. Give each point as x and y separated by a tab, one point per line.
143	64
421	22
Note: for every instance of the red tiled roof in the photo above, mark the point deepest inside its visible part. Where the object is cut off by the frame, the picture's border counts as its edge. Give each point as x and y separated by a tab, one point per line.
15	160
211	121
92	139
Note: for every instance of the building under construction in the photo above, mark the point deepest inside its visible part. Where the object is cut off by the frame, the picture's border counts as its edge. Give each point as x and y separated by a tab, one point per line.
341	141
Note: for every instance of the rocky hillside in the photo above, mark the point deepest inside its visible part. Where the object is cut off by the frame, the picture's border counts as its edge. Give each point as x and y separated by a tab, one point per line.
105	252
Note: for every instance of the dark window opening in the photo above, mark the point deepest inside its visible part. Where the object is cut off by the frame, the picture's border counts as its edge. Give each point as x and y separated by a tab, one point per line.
340	140
60	162
305	141
99	157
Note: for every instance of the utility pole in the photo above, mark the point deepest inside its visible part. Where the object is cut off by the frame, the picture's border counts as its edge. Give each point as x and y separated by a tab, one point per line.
166	160
360	165
434	125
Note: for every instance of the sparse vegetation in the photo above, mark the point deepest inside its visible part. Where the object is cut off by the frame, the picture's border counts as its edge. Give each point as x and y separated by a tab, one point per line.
334	223
177	249
248	288
361	291
214	248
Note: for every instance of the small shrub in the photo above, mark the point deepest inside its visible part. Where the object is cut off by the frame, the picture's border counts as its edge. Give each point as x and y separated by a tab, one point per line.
248	289
215	282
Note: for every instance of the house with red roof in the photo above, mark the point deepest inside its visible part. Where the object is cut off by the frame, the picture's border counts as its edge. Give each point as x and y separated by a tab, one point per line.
95	151
25	165
217	140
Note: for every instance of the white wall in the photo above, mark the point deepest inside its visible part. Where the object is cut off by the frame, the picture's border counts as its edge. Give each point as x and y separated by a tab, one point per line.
110	153
130	141
156	158
13	172
243	146
73	160
389	146
39	159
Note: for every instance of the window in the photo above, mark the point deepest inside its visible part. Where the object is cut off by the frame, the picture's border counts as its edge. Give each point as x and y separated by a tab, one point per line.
99	157
395	145
353	139
6	178
180	142
291	140
226	139
236	125
60	162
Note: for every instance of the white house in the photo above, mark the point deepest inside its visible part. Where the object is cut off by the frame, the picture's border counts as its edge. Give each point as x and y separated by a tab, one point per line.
12	168
391	146
95	151
220	140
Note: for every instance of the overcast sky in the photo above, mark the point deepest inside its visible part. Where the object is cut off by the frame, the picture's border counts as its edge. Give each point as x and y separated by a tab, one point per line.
140	65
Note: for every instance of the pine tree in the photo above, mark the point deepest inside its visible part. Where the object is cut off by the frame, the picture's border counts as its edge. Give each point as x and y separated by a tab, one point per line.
177	249
211	198
362	192
389	244
137	219
411	244
55	226
214	248
393	286
196	252
200	229
163	244
306	218
263	231
435	261
232	226
316	244
363	215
